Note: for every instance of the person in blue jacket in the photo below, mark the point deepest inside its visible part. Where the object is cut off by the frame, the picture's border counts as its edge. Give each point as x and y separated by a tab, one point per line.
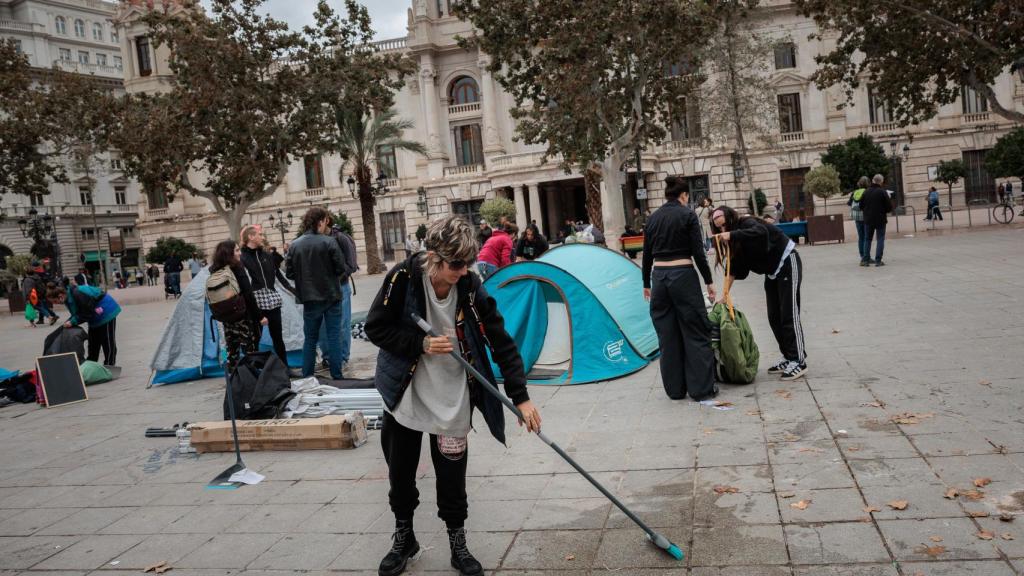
95	306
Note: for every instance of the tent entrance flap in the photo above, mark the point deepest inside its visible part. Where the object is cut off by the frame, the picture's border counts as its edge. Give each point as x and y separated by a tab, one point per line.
555	357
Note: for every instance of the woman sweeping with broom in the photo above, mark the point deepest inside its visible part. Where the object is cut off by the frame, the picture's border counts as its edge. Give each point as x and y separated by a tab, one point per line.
759	247
425	390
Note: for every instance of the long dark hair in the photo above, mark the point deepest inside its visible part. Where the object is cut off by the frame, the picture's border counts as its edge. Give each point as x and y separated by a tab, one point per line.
224	256
732	222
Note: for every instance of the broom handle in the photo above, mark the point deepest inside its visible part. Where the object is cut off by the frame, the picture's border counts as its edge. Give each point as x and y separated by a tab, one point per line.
426	327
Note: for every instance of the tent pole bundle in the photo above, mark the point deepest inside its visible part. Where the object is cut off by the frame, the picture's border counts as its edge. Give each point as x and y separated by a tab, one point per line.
659	540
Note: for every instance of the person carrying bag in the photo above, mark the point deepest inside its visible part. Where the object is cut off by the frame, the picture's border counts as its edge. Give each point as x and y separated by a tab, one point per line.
260	266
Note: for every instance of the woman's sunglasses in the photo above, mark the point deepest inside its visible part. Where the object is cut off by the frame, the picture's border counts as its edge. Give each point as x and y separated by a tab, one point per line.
456	265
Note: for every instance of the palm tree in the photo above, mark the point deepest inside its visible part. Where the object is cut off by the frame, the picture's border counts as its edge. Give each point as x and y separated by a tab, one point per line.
360	136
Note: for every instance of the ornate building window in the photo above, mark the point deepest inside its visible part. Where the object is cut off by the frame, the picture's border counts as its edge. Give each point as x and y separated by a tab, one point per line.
80	28
314	168
83	57
973	102
142	51
114	36
97	32
878	109
790	119
468	145
785	55
463	91
101	59
686	120
61	25
65	54
387	162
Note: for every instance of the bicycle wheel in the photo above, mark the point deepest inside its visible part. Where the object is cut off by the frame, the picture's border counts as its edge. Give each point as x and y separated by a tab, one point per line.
1003	213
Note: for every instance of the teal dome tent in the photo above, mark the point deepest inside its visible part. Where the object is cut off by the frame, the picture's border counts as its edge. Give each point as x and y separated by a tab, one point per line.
577	313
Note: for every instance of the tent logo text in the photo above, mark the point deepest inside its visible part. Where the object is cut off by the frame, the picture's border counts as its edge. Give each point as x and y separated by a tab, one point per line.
613	351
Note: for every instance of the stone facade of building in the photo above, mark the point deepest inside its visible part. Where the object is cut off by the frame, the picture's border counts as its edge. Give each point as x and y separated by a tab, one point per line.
461	115
76	36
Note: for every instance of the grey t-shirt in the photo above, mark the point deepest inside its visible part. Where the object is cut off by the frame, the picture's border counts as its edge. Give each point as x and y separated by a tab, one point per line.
437	400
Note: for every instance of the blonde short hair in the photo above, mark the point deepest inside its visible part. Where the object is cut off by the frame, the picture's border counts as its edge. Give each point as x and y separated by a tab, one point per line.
247	233
449	238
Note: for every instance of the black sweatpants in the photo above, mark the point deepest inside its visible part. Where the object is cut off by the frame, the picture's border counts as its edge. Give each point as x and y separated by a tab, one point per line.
276	333
402	453
103	337
684	332
783	297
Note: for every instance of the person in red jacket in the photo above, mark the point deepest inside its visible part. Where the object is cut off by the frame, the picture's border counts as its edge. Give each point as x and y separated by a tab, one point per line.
498	251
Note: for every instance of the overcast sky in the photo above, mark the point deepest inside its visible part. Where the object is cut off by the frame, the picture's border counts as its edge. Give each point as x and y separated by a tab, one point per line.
388	16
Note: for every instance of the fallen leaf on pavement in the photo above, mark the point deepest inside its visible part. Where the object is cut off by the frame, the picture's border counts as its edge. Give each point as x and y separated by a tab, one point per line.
808	449
725	489
570	557
784	394
935	538
709	431
787	494
853	448
932	551
870	509
1006	517
801	505
723	403
911	417
753	412
1006	536
985	383
985	535
977	514
952	493
154	567
790	437
162	569
898	504
982	482
973	495
834	331
875	404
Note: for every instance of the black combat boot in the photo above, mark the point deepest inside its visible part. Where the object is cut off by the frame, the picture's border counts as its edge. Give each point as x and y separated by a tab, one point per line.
462	560
404	547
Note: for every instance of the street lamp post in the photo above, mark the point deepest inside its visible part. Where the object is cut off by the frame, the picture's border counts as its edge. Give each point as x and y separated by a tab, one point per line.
280	224
378	189
42	230
897	156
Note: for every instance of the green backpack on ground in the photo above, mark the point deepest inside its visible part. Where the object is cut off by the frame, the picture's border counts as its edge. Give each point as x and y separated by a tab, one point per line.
736	354
94	373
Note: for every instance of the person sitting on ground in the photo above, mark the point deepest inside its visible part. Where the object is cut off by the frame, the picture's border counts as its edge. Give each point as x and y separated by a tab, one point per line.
531	245
96	307
762	248
426	390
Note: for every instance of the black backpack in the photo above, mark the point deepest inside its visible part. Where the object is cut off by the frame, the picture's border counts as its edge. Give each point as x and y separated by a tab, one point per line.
260	387
64	340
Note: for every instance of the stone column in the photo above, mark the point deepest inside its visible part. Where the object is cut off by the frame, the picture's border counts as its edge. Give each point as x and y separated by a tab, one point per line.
492	136
520	199
552	216
428	94
535	208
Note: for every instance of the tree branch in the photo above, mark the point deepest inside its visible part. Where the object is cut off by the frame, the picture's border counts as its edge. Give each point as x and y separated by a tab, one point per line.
959	30
989	94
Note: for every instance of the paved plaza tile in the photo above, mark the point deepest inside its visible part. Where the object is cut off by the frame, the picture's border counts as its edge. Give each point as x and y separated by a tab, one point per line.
914	390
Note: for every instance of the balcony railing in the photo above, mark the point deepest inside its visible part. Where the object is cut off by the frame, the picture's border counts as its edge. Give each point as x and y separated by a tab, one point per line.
15	26
792	137
314	192
390	44
90	68
467	169
975	118
521	160
884	127
470	109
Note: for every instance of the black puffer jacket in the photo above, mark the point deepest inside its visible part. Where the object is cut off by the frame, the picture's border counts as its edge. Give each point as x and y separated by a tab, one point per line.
757	247
479	326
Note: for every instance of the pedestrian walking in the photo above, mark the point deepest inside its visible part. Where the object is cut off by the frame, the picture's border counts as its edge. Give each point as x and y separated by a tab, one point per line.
95	306
762	248
674	262
639	220
426	391
933	205
498	251
242	336
484	233
857	215
876	205
263	276
140	278
348	251
704	216
316	264
194	266
1001	193
173	268
82	278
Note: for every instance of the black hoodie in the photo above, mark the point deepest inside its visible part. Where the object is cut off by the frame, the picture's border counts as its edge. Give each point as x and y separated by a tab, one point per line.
757	247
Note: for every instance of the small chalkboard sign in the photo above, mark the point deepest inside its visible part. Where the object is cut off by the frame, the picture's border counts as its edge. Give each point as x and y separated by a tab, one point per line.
61	379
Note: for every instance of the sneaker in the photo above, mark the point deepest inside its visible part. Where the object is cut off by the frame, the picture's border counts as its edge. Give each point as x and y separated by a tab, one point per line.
778	367
462	560
794	370
879	263
865	262
402	550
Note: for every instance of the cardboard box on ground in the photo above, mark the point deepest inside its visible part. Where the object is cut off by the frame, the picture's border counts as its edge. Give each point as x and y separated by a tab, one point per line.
324	433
